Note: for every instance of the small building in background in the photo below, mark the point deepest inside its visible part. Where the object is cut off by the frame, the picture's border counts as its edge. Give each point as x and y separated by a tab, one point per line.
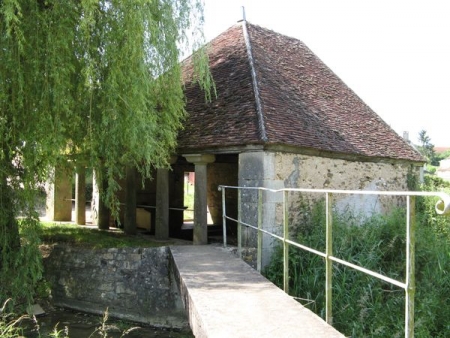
444	169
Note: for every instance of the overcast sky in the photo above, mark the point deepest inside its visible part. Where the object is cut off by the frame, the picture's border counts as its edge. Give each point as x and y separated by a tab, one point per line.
395	54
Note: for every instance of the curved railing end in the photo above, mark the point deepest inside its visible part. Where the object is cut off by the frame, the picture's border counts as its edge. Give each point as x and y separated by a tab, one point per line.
443	205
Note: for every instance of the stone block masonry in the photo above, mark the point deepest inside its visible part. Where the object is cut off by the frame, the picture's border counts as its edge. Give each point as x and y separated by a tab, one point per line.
135	284
278	170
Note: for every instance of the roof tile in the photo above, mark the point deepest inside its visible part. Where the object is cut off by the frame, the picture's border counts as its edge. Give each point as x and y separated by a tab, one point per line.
304	104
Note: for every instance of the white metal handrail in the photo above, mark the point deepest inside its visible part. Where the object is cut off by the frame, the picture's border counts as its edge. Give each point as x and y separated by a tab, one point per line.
442	207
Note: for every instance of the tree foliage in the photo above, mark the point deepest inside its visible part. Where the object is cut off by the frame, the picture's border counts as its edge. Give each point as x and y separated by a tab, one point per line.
94	81
425	147
441	156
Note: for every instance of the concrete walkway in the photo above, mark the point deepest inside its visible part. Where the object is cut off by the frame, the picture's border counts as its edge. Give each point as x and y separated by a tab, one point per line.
225	297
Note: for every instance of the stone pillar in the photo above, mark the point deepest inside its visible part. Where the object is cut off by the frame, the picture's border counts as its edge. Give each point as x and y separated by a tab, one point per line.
95	198
258	169
200	197
59	196
80	195
162	202
176	201
103	211
129	226
100	212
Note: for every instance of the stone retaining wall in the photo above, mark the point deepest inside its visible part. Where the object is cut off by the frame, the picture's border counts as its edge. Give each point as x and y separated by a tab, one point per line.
135	284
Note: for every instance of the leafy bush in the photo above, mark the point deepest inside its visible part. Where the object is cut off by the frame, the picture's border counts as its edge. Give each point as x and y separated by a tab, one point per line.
363	305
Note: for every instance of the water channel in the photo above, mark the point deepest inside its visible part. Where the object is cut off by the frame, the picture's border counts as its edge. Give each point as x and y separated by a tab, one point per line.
82	325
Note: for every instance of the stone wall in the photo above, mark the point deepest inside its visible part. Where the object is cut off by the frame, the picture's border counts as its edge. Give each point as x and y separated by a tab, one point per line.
299	171
221	174
276	170
135	284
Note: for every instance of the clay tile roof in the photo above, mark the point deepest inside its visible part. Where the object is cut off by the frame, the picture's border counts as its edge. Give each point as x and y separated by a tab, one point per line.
439	150
302	102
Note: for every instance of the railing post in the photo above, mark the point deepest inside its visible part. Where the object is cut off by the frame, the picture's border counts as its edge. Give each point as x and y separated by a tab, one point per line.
410	268
260	234
285	244
239	230
328	262
224	217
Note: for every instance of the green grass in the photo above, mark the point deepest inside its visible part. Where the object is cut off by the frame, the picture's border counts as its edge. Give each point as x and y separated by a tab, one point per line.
51	233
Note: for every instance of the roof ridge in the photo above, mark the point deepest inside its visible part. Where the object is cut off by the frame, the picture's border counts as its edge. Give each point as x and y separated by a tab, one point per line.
259	110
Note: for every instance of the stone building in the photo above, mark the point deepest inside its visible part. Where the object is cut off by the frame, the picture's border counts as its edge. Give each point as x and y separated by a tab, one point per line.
281	118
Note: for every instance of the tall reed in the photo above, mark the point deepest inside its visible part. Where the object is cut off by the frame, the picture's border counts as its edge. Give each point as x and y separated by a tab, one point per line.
362	305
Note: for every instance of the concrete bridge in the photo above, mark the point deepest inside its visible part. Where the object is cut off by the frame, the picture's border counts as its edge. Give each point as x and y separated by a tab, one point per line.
225	297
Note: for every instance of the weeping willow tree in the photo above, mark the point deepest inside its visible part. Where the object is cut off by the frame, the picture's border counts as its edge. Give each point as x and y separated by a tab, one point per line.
94	81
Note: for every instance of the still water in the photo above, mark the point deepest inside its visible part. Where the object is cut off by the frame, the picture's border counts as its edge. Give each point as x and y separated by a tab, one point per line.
81	325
